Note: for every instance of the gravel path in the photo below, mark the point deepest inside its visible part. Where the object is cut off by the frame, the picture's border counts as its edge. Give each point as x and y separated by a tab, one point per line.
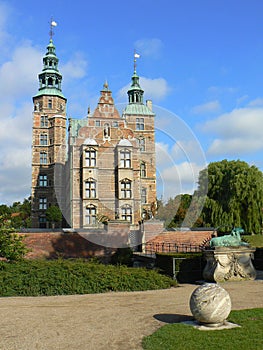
103	321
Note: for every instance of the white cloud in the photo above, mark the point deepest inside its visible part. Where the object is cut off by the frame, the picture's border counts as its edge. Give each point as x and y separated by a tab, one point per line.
177	179
209	107
154	89
18	76
15	157
258	102
239	132
149	47
75	68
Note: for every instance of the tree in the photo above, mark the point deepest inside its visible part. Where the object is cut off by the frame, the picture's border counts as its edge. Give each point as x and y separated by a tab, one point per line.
234	195
54	215
12	246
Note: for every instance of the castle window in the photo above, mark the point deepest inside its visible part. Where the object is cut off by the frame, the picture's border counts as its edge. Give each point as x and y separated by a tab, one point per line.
42	203
126	213
141	144
43	181
90	215
50	83
143	169
144	196
90	188
115	124
125	158
49	104
90	157
43	158
126	189
44	121
139	123
43	139
97	123
42	221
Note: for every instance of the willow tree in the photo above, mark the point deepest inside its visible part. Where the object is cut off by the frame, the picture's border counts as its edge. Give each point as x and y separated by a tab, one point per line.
234	195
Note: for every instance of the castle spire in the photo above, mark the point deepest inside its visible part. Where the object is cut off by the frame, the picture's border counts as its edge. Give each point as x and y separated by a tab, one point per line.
135	92
50	78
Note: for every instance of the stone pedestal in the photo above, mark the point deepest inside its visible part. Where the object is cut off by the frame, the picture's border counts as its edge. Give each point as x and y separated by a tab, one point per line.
229	264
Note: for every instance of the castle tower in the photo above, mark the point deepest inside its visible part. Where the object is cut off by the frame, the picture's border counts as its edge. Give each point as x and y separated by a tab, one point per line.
140	118
48	138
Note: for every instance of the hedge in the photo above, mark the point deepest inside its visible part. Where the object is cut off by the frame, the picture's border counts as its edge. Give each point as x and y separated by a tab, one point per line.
58	277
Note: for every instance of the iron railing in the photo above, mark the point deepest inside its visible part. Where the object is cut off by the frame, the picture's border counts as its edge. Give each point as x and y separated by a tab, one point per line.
151	248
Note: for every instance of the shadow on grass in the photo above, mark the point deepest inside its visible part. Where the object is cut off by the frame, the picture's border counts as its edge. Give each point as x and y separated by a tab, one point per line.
173	318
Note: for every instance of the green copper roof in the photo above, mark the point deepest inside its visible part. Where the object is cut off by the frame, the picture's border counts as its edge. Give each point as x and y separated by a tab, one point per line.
50	91
50	79
137	109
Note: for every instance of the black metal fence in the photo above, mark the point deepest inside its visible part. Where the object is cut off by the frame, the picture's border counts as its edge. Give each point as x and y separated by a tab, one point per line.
151	248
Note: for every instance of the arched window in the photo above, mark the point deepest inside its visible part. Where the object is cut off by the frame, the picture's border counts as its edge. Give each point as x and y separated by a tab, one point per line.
141	144
91	215
90	157
126	213
43	180
125	158
42	203
144	196
139	123
143	169
43	158
43	139
126	191
50	81
90	188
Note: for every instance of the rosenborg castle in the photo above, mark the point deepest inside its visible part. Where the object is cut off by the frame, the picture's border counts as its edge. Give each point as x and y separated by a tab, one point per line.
98	168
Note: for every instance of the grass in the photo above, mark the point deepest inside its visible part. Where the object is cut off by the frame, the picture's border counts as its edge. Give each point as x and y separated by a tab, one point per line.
184	337
254	240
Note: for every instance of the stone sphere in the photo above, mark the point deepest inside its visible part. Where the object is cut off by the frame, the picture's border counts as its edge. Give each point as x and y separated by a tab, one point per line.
210	304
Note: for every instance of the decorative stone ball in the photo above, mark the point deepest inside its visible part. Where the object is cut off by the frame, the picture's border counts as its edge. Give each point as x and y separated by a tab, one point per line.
210	304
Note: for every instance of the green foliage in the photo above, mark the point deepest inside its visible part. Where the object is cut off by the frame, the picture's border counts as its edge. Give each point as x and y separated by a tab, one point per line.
180	210
54	214
12	247
58	277
254	240
18	214
234	195
122	256
180	336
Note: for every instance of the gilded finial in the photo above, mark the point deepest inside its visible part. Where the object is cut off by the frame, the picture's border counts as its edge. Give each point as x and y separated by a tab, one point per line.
52	25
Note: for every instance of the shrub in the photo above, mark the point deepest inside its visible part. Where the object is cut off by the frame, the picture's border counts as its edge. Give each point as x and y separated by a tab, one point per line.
122	256
57	277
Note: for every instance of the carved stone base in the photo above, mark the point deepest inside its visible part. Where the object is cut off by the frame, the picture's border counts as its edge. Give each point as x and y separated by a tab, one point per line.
229	264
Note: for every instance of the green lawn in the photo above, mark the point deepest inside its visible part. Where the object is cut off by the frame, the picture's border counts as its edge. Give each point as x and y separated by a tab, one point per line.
185	337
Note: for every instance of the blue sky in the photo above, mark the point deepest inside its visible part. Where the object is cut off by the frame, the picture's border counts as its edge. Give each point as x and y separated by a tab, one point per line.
201	64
